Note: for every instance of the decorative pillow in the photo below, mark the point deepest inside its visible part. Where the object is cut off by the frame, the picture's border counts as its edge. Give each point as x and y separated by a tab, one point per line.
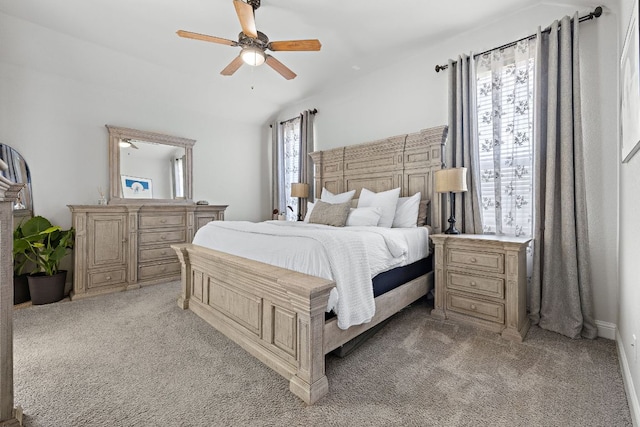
364	216
334	214
329	197
310	206
423	210
386	200
407	211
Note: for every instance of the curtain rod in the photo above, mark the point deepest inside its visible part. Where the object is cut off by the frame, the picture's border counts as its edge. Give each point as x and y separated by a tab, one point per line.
597	12
313	112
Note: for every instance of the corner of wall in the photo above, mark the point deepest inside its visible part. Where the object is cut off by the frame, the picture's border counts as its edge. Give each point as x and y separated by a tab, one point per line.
629	387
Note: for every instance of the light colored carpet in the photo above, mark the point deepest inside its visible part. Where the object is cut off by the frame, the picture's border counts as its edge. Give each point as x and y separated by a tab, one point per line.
135	359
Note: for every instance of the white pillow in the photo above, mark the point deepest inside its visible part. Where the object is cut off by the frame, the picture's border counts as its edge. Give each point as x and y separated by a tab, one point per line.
386	200
309	209
329	197
364	216
407	212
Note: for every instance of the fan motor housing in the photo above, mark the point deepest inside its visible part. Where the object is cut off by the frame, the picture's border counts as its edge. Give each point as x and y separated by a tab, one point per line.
261	42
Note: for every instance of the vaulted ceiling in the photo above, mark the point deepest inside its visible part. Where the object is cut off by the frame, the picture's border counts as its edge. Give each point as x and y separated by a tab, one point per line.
92	39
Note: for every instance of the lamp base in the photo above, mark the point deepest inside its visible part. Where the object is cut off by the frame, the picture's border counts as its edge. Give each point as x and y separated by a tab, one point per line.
452	226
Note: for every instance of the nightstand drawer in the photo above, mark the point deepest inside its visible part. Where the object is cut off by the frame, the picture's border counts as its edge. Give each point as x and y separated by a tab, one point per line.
488	261
489	286
153	221
472	307
169	236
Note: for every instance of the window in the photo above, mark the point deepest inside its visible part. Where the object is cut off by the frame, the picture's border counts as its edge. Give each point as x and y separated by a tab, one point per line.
505	81
291	167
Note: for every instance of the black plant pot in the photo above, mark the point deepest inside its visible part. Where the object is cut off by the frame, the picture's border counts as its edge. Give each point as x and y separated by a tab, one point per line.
21	289
47	289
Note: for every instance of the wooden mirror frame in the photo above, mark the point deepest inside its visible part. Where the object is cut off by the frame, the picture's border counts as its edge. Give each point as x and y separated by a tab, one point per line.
115	186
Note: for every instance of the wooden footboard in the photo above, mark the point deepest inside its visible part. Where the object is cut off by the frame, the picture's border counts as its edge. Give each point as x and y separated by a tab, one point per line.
277	315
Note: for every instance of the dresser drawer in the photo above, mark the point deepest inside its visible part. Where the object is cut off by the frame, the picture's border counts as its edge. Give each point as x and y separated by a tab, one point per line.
167	269
155	221
476	308
168	236
487	261
156	254
106	277
490	286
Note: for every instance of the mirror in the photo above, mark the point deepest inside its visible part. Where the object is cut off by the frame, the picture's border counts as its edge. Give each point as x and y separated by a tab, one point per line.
18	172
148	166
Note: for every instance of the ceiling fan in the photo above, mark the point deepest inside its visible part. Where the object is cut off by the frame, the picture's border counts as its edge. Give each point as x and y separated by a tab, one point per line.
254	43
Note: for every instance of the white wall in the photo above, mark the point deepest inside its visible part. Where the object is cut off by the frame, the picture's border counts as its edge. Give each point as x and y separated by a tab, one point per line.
55	116
408	96
629	267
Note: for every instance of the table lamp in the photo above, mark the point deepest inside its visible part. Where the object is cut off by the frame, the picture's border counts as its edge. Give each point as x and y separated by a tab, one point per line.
453	180
301	191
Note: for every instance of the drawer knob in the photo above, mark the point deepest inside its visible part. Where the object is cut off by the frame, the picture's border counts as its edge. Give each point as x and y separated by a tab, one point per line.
163	237
163	253
472	283
473	306
473	260
163	220
108	277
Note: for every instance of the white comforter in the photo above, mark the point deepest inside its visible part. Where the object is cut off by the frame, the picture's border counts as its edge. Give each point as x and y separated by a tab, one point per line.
350	256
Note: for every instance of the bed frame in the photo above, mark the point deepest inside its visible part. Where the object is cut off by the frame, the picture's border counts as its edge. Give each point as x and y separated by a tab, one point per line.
278	315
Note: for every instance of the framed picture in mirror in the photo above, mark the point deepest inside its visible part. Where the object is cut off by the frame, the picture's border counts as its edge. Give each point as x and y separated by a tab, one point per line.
136	188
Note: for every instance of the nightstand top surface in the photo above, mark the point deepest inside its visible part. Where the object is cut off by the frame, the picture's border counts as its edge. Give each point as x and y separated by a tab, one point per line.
482	237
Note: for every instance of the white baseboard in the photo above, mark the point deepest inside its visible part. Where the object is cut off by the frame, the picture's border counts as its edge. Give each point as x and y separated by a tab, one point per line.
632	396
606	330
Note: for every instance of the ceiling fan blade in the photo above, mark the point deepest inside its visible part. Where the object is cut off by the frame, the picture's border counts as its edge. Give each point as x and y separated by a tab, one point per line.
307	45
246	17
282	69
233	66
205	38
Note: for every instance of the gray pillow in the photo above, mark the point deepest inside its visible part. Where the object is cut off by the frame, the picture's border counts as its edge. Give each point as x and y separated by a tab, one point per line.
330	214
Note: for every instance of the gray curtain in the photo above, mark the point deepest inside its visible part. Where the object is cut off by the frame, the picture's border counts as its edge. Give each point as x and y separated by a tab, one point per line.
560	294
277	164
306	148
462	146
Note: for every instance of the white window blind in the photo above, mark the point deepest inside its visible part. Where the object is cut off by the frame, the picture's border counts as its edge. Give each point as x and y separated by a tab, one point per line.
505	80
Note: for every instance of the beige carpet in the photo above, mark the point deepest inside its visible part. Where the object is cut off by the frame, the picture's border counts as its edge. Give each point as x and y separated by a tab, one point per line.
135	359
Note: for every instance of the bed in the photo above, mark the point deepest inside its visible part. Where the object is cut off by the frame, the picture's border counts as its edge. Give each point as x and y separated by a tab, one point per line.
277	314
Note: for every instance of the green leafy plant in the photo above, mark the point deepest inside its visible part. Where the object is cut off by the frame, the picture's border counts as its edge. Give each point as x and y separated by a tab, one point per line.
41	243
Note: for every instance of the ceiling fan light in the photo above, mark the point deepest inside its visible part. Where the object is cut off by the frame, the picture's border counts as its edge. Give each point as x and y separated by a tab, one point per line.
253	56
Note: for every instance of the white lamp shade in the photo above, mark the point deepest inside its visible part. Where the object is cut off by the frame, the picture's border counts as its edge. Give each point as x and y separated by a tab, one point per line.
252	56
452	180
300	190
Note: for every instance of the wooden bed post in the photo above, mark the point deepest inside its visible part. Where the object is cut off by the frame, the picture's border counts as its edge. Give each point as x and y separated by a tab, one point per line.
310	381
183	256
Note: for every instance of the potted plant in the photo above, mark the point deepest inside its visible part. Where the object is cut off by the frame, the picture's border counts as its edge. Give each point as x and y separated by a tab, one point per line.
44	245
20	282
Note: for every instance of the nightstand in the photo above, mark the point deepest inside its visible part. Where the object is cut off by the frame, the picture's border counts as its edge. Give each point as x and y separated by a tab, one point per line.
482	279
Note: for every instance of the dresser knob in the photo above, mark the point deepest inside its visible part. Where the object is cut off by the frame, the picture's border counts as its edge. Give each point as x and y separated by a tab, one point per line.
163	253
163	237
473	306
472	283
473	260
108	277
163	220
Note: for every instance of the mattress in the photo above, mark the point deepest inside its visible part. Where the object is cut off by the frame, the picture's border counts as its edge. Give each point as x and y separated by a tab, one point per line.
344	255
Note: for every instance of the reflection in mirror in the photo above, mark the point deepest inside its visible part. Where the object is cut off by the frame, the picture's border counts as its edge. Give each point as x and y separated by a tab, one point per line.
17	172
150	170
148	165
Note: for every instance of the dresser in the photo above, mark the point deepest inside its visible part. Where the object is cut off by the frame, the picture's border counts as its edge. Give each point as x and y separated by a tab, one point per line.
481	279
121	247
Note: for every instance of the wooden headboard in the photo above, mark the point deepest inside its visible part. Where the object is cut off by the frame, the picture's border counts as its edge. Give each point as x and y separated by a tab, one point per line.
407	161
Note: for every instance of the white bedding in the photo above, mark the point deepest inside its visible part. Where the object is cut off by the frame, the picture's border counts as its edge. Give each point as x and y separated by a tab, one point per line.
350	256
